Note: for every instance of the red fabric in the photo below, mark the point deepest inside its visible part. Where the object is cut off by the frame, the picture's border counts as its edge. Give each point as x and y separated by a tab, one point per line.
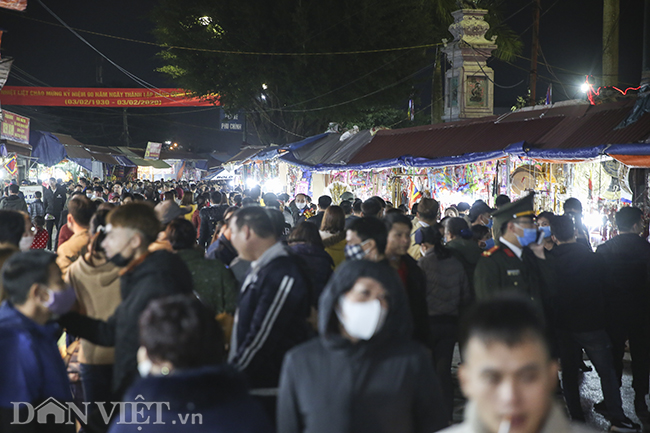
64	234
196	220
403	272
40	239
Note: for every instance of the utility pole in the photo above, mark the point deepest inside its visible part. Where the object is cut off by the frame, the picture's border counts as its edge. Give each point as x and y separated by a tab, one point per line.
645	72
125	131
611	12
533	54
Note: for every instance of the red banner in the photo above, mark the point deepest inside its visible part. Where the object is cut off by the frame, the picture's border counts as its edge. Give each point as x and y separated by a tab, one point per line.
17	5
97	97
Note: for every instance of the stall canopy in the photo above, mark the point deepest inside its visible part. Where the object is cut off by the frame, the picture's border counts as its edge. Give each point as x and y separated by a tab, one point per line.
46	148
137	157
564	132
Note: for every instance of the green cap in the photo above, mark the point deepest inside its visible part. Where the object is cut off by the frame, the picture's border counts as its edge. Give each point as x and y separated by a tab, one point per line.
517	209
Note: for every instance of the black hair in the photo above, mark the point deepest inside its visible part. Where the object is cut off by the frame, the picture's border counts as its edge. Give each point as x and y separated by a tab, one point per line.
14	189
258	220
12	226
380	200
509	319
248	202
215	197
38	221
403	208
563	228
307	233
371	228
479	232
324	201
458	227
22	270
371	207
181	330
547	215
356	206
277	221
572	203
38	194
428	209
627	217
397	217
346	205
97	231
181	234
501	200
439	249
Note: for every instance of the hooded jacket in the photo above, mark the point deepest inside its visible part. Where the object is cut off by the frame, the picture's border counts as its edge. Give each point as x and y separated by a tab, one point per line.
13	202
153	276
31	368
383	385
217	394
98	294
319	265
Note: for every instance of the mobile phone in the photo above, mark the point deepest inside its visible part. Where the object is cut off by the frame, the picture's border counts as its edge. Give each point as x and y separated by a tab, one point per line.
540	237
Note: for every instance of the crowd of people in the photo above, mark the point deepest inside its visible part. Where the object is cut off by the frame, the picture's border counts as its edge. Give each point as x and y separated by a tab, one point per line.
263	312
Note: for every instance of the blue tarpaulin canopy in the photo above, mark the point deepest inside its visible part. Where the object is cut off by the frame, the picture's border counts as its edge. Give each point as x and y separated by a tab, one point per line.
46	148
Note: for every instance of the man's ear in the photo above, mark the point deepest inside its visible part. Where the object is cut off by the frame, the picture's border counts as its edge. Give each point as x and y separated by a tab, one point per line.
37	293
463	379
70	220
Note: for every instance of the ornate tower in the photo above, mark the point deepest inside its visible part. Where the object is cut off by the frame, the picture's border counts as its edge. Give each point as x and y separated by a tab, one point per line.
469	89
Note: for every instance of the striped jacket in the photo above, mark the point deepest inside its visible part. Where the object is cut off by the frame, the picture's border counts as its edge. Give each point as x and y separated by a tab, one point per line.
271	318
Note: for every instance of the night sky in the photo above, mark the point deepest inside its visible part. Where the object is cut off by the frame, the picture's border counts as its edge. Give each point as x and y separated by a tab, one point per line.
570	38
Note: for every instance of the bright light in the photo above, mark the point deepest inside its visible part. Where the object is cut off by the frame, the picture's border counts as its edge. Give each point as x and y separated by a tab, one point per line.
454	198
168	142
205	21
263	97
273	185
251	182
231	183
264	86
593	220
584	87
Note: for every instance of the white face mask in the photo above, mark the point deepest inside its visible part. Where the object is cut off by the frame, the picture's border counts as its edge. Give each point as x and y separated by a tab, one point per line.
301	204
144	367
361	320
25	243
423	252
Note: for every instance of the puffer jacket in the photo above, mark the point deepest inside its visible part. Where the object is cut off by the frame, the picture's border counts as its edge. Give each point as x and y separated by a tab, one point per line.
447	285
383	385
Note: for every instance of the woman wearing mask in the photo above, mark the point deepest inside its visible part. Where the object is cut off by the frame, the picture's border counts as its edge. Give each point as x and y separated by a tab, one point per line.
363	373
544	223
448	292
96	282
300	209
464	248
332	231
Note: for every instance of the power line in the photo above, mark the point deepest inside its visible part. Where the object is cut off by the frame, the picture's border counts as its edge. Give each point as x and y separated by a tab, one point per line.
209	50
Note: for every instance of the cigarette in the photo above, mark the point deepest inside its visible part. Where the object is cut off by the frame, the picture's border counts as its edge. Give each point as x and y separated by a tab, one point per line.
504	427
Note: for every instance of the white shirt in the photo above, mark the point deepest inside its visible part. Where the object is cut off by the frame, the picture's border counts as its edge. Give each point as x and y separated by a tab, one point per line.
517	250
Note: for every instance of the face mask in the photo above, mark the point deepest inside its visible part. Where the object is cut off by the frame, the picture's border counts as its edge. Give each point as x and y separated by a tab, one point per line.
530	236
546	230
490	223
489	244
301	204
25	243
355	252
144	368
62	301
361	320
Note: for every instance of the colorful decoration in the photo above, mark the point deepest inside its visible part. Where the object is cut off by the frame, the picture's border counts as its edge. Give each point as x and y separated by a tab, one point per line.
12	165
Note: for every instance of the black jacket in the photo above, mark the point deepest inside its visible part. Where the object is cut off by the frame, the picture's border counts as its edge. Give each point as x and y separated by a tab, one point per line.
160	274
54	200
217	393
628	259
577	302
13	202
384	385
319	265
271	318
416	290
210	216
